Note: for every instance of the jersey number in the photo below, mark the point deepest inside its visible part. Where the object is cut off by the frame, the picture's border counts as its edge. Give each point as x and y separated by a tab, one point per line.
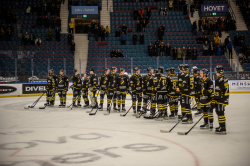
174	85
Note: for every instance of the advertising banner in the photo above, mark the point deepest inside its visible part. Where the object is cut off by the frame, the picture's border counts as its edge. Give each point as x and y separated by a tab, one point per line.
9	89
33	88
239	85
214	8
84	9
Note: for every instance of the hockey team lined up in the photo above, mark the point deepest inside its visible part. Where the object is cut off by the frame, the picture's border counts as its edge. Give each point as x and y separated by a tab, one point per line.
156	90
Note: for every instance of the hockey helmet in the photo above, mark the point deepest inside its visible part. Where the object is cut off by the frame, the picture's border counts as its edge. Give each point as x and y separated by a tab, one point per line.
136	69
106	69
181	66
92	70
219	69
87	74
156	71
167	70
172	70
186	67
149	69
50	74
113	68
75	70
61	70
205	71
195	70
161	69
122	69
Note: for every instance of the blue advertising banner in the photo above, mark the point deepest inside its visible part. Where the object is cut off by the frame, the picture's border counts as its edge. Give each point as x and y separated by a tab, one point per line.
84	9
214	8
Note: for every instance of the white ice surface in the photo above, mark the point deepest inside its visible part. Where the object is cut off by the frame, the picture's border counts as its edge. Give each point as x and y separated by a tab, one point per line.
60	136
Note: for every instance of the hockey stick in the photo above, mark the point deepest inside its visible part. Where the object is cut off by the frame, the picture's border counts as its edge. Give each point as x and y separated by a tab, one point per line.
152	117
49	101
75	100
34	104
141	113
168	131
129	108
93	107
186	133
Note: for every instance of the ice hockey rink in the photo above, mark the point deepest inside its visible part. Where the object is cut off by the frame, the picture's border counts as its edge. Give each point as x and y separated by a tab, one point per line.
60	136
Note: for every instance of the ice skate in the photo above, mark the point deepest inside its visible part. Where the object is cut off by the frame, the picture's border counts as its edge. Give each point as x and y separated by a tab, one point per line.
204	126
221	130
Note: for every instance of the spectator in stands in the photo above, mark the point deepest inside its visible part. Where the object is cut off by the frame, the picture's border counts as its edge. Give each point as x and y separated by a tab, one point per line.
206	28
138	26
107	30
174	52
222	46
119	54
26	38
161	12
243	46
45	9
141	11
103	33
194	28
50	34
155	50
205	48
28	10
160	33
58	33
124	29
38	41
168	50
59	23
14	18
73	46
211	49
189	53
184	53
2	33
95	3
123	38
45	22
141	19
142	38
200	24
216	47
75	3
144	25
179	53
88	2
162	49
205	39
135	14
195	54
219	30
230	47
226	43
219	51
150	49
34	9
170	6
39	22
32	39
96	33
149	13
117	33
52	22
211	28
236	40
10	27
71	26
244	60
113	53
165	12
157	43
242	37
192	9
58	10
199	40
134	38
53	9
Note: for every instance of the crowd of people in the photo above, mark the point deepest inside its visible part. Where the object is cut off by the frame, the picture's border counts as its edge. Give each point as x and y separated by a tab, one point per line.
116	54
245	9
6	32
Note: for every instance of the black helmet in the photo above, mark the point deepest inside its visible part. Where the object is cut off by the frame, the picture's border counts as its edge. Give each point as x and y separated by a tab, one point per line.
149	68
172	70
161	69
77	75
136	69
167	70
219	69
87	73
181	66
92	70
106	69
205	71
50	74
122	69
156	71
61	70
113	68
75	70
195	70
186	67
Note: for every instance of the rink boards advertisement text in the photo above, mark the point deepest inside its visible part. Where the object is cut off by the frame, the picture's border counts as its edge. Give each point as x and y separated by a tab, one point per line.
33	89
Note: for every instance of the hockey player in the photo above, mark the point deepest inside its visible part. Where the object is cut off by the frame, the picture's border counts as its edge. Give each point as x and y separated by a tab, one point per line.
93	86
63	83
161	95
153	83
111	91
121	88
103	87
77	87
50	87
85	92
184	88
55	78
172	86
168	72
196	73
206	93
147	90
221	98
136	89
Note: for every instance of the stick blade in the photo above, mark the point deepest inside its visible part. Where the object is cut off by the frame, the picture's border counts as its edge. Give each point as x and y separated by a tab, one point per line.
164	131
181	133
92	113
122	114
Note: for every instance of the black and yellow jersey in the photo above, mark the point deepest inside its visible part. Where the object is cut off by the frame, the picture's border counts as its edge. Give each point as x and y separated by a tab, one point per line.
221	94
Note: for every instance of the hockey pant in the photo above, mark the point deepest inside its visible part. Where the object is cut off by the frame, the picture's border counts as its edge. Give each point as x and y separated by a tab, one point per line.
220	109
49	97
207	113
173	106
153	104
146	98
102	94
62	95
76	94
162	104
185	106
111	95
95	98
134	98
85	97
121	97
